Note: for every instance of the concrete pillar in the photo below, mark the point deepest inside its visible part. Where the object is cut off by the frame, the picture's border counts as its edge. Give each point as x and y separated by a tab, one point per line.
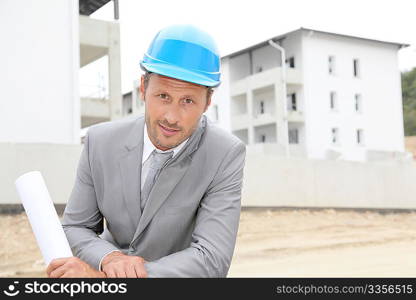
250	112
135	97
281	118
114	70
39	62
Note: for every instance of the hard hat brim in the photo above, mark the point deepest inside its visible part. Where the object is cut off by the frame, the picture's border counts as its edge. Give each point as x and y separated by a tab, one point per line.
179	73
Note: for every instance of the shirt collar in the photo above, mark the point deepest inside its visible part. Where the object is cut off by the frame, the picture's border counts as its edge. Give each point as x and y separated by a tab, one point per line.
148	146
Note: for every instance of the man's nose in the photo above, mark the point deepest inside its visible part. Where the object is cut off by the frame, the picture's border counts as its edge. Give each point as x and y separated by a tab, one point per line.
172	115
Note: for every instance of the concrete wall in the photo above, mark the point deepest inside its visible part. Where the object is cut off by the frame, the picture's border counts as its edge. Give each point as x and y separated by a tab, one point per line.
56	162
39	59
273	181
239	66
265	58
269	180
379	87
293	47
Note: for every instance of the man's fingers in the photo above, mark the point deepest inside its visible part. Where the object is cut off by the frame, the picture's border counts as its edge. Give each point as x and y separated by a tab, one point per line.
140	270
58	272
120	273
124	266
70	274
137	270
56	263
110	273
71	267
130	272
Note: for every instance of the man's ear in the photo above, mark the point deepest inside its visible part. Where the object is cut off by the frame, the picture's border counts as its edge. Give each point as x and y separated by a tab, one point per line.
208	102
141	88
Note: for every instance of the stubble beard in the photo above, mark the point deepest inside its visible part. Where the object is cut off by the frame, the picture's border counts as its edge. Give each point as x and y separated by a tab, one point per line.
153	133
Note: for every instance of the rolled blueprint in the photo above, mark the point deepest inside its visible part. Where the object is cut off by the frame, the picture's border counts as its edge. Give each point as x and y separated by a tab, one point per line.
42	216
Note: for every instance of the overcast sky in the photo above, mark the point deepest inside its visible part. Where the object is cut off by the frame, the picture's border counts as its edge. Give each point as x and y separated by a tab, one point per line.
239	24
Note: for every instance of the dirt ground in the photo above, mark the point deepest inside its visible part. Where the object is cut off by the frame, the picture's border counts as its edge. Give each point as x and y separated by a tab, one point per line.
275	243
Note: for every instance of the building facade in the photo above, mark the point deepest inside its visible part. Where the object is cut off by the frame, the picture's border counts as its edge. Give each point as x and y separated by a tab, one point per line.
337	97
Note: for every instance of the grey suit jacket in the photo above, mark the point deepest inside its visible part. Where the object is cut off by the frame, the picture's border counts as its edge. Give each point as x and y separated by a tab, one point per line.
189	225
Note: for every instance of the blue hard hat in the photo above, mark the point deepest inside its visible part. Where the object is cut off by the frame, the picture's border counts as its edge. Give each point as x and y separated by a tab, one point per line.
184	52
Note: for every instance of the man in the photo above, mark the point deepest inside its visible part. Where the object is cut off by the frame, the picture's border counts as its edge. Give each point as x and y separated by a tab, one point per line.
168	184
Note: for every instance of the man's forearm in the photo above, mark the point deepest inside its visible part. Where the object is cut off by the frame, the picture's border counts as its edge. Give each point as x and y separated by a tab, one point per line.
194	261
87	245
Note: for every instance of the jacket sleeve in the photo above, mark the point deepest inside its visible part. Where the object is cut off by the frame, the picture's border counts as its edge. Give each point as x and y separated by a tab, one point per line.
82	220
216	226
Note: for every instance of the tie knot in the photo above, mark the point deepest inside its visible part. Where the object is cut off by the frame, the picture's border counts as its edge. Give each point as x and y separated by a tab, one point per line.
160	158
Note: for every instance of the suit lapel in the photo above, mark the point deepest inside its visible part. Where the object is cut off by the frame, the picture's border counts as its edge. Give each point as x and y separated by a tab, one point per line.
169	177
164	185
130	169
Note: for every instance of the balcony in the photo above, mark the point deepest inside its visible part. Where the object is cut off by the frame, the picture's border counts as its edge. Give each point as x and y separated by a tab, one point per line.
293	76
99	38
263	79
239	122
94	110
264	119
94	37
295	116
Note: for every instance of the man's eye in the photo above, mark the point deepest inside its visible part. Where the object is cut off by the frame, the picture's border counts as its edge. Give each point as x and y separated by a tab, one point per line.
188	101
163	96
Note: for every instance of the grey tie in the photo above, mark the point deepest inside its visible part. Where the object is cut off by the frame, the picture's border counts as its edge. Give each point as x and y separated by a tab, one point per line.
158	160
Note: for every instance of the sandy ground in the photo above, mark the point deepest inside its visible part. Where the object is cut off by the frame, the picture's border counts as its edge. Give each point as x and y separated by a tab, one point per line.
278	243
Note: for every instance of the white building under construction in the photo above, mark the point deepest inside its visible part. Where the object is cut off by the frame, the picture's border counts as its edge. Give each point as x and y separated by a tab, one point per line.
337	96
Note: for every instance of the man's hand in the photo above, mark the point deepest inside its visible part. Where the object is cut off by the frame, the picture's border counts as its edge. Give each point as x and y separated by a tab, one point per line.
117	264
72	267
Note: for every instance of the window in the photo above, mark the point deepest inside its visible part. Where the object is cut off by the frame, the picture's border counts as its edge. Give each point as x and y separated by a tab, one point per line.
331	64
334	135
291	102
358	103
356	66
290	62
333	101
263	138
293	136
360	137
261	107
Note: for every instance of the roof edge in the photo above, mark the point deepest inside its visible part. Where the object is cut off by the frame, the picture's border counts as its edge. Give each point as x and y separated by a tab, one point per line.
282	36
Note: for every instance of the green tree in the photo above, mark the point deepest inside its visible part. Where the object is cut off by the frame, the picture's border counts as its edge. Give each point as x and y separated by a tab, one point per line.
409	101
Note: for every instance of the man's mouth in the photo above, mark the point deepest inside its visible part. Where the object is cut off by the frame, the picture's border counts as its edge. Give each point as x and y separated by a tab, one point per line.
168	131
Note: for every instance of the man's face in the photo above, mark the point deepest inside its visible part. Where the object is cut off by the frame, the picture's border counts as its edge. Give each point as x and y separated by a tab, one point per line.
173	109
